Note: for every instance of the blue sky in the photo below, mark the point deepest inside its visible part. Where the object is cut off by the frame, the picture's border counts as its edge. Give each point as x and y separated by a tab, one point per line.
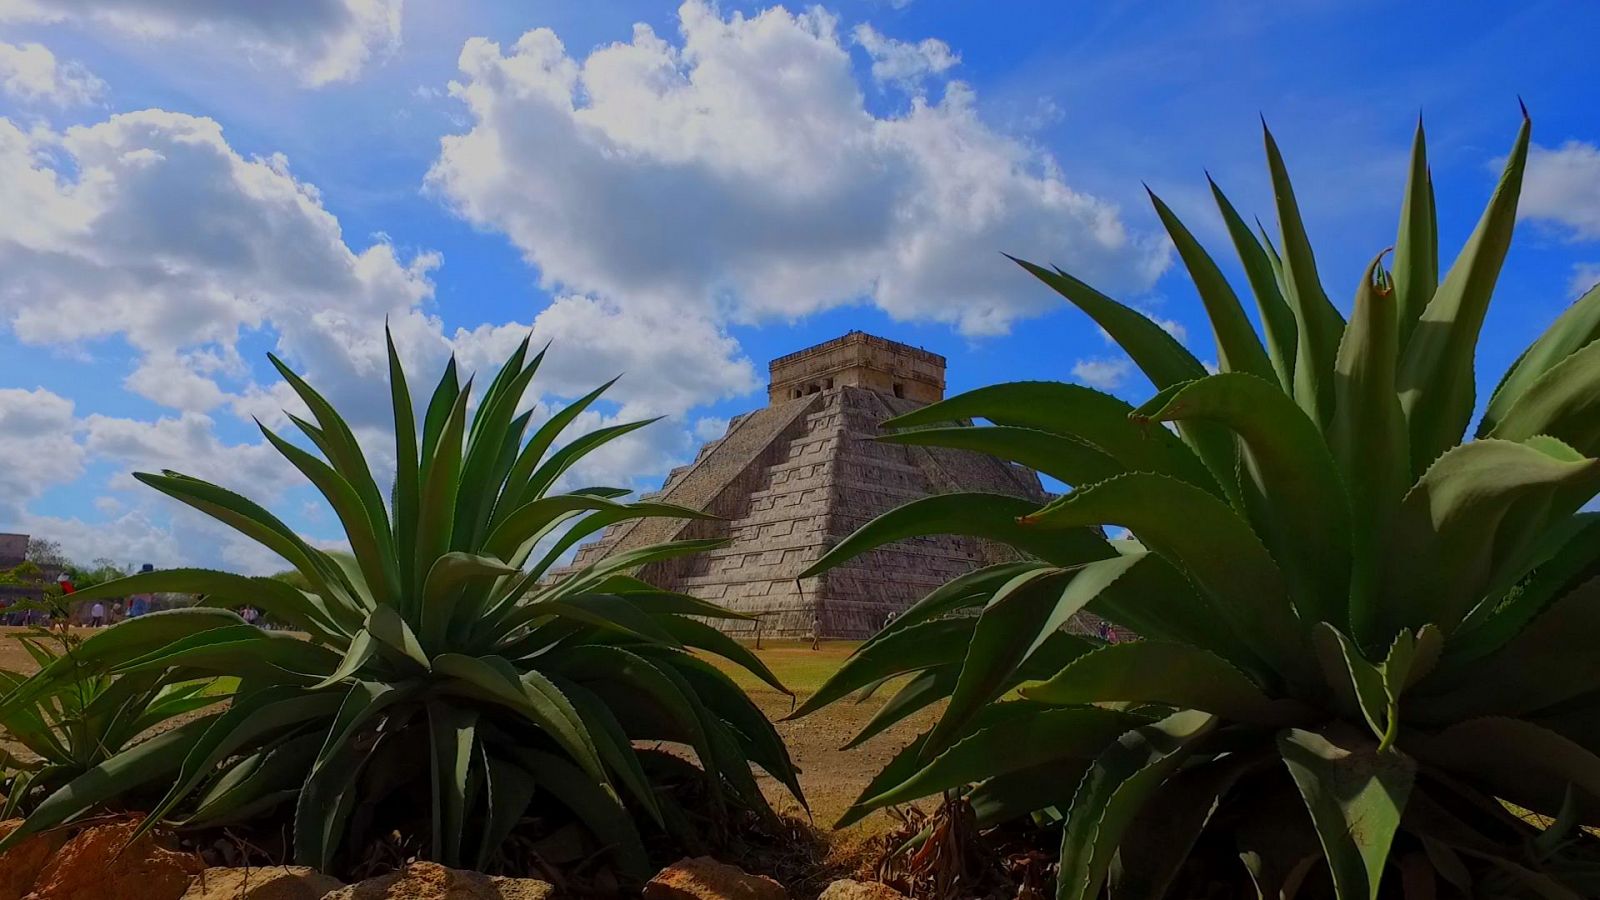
682	193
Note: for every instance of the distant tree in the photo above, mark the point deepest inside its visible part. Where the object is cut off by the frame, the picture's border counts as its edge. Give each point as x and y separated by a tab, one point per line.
46	553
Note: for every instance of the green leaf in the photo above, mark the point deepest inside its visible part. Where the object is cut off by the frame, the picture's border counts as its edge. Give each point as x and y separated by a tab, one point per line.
1068	460
1514	759
388	628
1368	435
991	516
517	480
596	807
919	692
1022	614
1305	511
1238	348
1202	536
1017	743
918	647
531	694
1436	378
1317	323
452	735
1564	403
1574	330
691	633
510	789
1355	795
1114	791
407	478
1416	250
1454	533
449	573
1167	674
1277	319
441	482
1073	411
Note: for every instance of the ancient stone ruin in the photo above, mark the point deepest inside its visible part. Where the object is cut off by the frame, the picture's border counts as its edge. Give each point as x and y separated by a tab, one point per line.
794	478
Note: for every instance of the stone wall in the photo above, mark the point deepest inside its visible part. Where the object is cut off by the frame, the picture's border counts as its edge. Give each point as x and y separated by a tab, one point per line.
858	360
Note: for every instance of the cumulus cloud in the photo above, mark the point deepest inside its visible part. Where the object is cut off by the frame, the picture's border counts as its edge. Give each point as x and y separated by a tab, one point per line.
1104	372
1584	277
904	63
737	173
32	74
321	41
1562	186
37	444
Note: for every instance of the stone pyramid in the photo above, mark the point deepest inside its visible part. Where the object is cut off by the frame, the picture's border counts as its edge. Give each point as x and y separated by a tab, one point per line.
794	478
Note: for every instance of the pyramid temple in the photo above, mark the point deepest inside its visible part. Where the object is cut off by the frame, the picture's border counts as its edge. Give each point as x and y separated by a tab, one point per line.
792	479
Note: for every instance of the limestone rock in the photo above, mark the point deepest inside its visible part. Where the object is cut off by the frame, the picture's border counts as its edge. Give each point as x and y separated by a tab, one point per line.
431	881
261	883
703	878
20	865
100	864
848	889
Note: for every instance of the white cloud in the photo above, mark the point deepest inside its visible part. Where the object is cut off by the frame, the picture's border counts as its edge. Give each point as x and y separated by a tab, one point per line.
1563	186
1584	277
321	41
904	64
710	428
37	445
1103	372
738	175
31	73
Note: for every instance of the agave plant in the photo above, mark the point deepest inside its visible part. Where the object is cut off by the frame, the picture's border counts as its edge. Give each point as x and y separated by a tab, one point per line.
1363	634
87	720
448	673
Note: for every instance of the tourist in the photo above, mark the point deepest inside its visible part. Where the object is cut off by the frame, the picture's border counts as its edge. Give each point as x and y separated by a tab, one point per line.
97	615
816	632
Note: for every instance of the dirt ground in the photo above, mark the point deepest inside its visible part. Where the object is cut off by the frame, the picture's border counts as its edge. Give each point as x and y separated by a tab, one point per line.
832	778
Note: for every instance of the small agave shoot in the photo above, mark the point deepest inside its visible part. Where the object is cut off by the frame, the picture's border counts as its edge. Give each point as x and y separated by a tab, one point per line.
450	682
1362	631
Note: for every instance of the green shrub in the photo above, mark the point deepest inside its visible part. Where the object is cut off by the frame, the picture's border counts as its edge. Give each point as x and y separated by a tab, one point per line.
84	721
1359	632
443	650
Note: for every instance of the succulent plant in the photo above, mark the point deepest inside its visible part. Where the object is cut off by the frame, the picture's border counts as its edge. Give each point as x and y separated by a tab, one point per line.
443	650
1365	638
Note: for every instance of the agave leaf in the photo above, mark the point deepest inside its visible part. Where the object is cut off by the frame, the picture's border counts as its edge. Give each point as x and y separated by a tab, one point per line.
1368	434
141	764
1068	460
1570	556
1525	763
256	784
1022	614
389	629
1317	323
1562	403
1114	792
1277	319
690	633
1356	795
991	516
1550	661
491	435
1446	546
1167	674
441	481
1009	746
510	789
441	591
272	596
1416	253
918	647
254	522
407	477
1205	538
1238	348
1157	842
1436	377
1158	355
1073	411
919	692
1305	507
595	806
360	651
1376	688
452	736
1574	330
964	591
492	678
515	492
613	745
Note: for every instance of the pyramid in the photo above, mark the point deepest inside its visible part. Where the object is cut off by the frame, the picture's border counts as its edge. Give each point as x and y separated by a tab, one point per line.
792	479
